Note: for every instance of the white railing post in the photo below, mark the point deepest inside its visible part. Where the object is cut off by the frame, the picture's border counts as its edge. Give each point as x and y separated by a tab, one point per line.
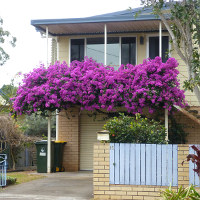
49	145
105	44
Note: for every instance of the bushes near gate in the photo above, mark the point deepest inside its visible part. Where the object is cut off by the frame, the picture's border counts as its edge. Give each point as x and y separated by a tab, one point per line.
183	193
125	129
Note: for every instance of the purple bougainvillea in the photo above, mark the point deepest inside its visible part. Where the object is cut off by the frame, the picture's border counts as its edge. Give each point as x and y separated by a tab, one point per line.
91	85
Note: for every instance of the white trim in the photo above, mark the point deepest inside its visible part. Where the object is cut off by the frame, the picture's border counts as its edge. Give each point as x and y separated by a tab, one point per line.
160	39
120	50
136	50
57	120
85	47
147	46
166	124
69	51
47	43
57	44
105	44
49	145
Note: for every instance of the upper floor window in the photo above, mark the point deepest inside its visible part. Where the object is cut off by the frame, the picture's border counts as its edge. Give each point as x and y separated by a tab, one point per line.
126	51
154	47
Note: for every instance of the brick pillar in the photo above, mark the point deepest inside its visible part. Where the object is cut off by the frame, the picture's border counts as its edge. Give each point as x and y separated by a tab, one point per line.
69	131
101	167
183	170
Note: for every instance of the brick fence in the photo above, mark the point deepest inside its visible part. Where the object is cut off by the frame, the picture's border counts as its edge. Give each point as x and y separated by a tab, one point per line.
104	190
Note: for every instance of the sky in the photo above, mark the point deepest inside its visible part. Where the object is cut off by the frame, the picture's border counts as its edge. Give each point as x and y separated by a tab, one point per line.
30	50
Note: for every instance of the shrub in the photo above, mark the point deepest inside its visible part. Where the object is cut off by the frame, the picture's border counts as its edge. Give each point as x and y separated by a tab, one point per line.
183	193
125	129
10	180
93	86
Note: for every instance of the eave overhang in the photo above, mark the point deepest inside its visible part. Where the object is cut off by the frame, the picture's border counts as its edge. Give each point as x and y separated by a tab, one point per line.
118	22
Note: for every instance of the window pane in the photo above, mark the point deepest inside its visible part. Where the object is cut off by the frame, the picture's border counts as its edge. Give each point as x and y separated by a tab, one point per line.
128	50
95	49
113	51
154	47
77	49
165	48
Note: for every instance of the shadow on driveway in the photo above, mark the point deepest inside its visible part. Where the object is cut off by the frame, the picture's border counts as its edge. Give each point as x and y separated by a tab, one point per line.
61	186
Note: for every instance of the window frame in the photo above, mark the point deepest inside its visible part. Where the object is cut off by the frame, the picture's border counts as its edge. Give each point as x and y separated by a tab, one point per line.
120	43
156	35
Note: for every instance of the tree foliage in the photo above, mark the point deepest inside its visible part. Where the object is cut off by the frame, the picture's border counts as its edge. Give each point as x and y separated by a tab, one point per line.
36	125
182	20
7	92
5	36
11	137
93	86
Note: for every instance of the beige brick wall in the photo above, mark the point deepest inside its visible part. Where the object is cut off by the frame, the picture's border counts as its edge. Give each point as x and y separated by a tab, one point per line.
104	190
190	127
69	131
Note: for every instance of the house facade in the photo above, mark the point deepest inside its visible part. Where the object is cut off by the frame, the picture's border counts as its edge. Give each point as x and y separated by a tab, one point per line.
113	39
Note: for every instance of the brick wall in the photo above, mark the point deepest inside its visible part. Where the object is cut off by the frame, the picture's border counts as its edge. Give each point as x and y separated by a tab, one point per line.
190	127
69	131
104	190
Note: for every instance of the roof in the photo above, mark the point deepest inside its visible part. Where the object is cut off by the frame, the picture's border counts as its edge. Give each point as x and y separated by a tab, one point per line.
117	22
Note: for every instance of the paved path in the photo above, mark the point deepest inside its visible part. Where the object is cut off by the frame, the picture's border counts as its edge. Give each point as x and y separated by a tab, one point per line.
58	186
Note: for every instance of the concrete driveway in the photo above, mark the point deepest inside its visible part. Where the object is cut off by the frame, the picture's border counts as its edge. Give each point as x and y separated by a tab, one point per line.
61	186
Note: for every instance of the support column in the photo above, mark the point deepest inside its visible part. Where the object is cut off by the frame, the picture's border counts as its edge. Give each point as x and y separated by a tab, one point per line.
160	54
57	113
49	145
105	44
47	37
49	117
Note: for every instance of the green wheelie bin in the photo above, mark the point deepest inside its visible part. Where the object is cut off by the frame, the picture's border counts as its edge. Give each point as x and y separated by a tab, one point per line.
41	147
58	155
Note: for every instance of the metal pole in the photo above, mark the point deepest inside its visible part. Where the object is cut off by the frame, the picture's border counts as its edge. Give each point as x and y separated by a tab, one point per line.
49	117
49	145
57	121
160	54
166	124
47	36
160	39
105	44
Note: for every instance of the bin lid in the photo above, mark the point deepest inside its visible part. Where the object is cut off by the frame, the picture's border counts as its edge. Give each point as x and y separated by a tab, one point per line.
62	142
42	142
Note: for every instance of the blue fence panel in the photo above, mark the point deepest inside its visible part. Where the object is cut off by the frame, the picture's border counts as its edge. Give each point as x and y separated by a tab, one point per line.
193	176
117	163
148	165
174	165
127	163
144	164
112	164
132	157
137	164
3	160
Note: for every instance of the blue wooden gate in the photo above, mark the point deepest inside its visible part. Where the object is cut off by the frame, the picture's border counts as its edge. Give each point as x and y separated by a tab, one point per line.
3	159
144	164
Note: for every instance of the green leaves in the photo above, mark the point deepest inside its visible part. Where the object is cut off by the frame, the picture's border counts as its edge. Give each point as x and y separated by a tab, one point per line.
184	28
5	36
124	129
182	194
